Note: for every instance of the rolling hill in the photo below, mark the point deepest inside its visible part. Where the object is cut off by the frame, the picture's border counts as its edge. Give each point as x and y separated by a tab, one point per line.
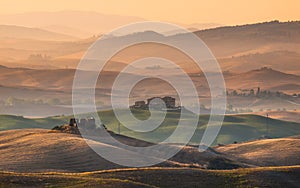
158	177
278	60
19	32
33	84
83	22
39	157
266	78
269	152
41	150
236	128
251	38
293	116
238	48
9	122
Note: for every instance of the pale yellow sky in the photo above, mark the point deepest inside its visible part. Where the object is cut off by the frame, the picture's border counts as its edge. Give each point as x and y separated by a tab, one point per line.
182	11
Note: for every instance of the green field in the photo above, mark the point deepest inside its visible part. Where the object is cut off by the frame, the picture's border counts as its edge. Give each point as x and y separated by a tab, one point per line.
237	128
8	122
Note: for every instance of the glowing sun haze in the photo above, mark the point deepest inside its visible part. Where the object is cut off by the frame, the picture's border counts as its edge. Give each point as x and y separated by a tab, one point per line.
187	11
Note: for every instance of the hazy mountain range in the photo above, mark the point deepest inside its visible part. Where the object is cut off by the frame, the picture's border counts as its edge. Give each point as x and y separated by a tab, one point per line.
81	24
19	32
41	64
238	48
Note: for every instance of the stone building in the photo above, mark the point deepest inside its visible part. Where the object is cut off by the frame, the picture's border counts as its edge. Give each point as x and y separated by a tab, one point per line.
169	101
83	122
73	122
139	104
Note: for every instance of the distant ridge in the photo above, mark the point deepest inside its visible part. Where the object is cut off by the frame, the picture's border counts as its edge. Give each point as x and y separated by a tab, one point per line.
261	25
83	23
19	32
269	73
264	77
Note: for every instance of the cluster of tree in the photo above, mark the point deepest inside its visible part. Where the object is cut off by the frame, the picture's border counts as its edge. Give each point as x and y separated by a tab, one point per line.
260	93
278	109
230	109
13	101
39	58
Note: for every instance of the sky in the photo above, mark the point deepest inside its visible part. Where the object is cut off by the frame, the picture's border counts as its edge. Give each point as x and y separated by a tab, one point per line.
227	12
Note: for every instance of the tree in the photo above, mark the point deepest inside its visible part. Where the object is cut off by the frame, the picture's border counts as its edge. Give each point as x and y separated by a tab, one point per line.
234	93
258	92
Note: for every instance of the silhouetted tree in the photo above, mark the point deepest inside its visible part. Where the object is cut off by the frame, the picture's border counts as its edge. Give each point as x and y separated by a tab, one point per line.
258	92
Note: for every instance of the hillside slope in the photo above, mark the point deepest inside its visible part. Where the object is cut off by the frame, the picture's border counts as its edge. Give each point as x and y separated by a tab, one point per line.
266	78
36	157
268	152
235	128
36	150
12	31
252	38
9	122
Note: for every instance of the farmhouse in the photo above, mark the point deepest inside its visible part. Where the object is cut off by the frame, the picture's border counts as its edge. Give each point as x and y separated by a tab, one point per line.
89	123
170	103
86	122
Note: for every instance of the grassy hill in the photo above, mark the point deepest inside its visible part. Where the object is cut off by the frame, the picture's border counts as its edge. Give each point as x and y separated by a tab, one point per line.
40	150
44	158
268	152
9	122
236	128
